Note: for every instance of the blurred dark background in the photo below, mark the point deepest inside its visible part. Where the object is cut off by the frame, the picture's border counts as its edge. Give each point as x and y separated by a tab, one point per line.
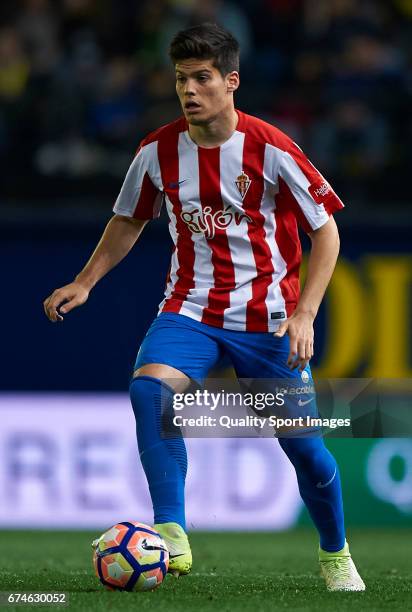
82	81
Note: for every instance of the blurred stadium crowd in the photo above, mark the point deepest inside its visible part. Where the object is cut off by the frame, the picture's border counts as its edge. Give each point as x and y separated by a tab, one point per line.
81	81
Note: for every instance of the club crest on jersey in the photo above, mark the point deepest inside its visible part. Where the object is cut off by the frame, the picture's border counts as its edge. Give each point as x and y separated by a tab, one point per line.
243	183
207	221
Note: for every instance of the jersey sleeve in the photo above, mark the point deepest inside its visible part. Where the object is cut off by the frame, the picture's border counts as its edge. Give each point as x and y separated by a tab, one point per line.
310	195
139	197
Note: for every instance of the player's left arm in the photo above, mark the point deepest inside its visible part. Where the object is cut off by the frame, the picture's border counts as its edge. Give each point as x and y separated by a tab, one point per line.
313	202
322	260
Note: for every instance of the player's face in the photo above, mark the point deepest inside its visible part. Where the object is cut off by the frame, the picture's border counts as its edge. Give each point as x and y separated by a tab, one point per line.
203	92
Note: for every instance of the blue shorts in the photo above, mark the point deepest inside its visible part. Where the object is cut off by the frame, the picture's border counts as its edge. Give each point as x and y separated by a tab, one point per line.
195	348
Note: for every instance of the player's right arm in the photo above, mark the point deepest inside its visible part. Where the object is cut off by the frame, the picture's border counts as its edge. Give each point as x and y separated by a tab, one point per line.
139	200
117	240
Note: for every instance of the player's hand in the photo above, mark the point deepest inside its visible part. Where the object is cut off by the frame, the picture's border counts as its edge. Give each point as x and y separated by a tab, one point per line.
300	329
63	300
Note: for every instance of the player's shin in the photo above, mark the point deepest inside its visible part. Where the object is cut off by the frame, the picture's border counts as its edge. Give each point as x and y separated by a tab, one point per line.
319	485
164	460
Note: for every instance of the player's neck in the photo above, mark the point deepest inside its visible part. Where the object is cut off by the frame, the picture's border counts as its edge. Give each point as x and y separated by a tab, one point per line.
217	132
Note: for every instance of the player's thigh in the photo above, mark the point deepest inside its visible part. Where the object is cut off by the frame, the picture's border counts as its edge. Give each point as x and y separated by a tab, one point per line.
176	348
260	355
261	359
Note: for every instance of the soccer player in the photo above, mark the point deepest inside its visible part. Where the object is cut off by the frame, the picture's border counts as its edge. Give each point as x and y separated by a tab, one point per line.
235	189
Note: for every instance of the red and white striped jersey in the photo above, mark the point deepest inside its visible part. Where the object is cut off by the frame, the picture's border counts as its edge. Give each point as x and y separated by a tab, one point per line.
234	212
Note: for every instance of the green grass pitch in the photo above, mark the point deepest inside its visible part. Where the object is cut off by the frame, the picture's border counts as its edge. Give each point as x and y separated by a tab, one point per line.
242	572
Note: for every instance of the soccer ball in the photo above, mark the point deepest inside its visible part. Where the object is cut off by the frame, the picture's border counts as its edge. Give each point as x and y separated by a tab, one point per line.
130	556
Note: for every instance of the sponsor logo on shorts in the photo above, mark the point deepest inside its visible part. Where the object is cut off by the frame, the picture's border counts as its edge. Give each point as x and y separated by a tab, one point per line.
306	390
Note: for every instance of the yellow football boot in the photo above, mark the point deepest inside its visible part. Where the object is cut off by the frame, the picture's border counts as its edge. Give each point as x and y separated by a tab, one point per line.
180	555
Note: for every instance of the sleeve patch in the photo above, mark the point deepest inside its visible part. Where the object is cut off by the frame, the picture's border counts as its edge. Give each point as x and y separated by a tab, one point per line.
320	191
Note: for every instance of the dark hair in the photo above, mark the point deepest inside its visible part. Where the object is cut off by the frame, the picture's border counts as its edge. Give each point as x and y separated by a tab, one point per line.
207	41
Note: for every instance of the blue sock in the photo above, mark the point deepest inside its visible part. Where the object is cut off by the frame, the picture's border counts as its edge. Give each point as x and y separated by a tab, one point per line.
319	485
164	460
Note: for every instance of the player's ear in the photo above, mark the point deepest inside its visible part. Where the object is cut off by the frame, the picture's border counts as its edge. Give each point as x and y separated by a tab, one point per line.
232	81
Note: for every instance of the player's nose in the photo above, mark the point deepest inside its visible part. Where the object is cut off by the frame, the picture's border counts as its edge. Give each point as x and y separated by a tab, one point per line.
189	87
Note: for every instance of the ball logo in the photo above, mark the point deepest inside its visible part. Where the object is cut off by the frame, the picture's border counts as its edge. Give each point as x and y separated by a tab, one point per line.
243	183
207	222
151	544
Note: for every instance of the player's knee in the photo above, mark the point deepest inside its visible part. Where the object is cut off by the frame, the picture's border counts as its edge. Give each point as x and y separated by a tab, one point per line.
173	378
303	451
